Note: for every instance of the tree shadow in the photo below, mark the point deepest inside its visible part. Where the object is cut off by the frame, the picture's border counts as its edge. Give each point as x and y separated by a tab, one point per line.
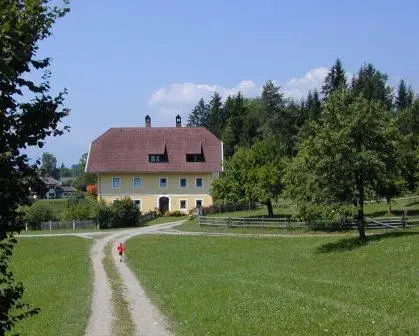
348	244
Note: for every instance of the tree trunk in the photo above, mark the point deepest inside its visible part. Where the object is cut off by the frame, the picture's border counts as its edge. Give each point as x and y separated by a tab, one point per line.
270	210
361	221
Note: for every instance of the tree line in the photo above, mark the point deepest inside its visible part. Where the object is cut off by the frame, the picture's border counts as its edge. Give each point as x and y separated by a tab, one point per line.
355	139
80	179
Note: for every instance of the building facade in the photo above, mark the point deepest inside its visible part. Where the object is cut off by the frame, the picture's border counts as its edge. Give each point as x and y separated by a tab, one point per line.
169	168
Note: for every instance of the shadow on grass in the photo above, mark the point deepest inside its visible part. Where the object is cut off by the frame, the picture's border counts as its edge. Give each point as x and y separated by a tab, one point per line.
349	244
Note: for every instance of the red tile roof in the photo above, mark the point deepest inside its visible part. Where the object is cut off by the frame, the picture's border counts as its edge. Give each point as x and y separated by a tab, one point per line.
127	150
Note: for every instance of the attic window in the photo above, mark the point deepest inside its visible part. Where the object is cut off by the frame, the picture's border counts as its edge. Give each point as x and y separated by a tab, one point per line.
195	157
158	158
155	158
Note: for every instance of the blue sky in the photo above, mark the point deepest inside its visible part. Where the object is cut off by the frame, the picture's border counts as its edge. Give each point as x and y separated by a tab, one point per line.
121	60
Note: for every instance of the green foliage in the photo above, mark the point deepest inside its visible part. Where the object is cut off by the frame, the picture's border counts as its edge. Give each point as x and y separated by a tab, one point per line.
37	213
80	209
23	24
335	79
84	179
49	165
405	96
176	213
372	84
199	115
124	213
253	174
352	152
103	215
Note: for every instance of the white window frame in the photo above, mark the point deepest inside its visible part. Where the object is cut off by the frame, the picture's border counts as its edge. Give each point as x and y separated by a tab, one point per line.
167	182
133	182
180	185
196	182
186	204
120	182
199	199
141	203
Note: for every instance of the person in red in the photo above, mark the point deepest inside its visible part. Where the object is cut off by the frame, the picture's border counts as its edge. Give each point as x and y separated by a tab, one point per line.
121	251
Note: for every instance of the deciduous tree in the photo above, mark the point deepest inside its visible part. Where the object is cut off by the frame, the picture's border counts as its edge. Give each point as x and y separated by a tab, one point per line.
23	24
351	153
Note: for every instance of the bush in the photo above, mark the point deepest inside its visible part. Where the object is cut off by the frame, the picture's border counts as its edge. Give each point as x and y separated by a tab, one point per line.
124	213
176	213
37	213
80	209
103	215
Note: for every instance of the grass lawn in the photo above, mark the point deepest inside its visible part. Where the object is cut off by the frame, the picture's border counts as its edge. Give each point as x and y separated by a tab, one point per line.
56	274
282	286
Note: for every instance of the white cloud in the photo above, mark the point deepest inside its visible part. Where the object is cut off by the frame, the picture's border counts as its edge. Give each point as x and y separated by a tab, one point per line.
179	98
299	87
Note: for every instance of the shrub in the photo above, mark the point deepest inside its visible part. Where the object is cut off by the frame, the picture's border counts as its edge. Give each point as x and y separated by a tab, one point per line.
76	198
37	213
124	213
176	213
103	215
82	209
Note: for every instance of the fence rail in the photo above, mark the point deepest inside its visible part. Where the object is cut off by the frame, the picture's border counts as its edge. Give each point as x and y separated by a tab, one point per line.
68	225
371	223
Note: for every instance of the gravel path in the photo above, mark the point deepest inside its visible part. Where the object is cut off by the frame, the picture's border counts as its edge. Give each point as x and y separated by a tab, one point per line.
146	317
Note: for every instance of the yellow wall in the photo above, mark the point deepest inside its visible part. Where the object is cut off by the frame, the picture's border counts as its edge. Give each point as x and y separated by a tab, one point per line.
150	192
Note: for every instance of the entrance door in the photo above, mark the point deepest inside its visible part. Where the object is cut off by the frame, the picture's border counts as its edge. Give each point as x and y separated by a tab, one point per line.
164	204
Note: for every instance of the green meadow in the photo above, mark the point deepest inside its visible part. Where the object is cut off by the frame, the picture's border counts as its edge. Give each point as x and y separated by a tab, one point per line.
282	286
57	276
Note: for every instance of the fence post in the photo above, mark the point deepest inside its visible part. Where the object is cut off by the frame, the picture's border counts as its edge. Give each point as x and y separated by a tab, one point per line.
50	225
404	219
74	225
228	222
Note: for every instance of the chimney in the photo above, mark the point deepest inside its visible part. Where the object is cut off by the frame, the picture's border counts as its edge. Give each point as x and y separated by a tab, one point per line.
147	121
178	121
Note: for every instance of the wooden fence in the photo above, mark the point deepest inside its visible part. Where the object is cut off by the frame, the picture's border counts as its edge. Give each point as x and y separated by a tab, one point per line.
68	225
371	223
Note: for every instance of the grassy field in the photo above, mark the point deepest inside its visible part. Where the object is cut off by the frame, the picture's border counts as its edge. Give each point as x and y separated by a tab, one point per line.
282	286
56	274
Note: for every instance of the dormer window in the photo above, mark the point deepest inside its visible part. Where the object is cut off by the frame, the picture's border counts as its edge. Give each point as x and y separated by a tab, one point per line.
195	153
154	158
195	158
158	158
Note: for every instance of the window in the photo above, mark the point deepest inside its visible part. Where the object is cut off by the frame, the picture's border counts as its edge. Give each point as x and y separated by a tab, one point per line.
198	203
198	182
154	158
183	183
163	182
137	183
182	204
137	204
116	182
195	157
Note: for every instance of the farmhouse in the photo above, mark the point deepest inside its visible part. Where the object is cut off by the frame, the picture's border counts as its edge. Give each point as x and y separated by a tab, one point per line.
169	168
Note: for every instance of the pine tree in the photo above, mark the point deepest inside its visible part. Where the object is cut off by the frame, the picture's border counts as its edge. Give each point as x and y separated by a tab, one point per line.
199	115
372	84
216	115
334	80
405	96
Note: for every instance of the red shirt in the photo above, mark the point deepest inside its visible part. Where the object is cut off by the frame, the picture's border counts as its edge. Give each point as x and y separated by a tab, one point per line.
121	248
